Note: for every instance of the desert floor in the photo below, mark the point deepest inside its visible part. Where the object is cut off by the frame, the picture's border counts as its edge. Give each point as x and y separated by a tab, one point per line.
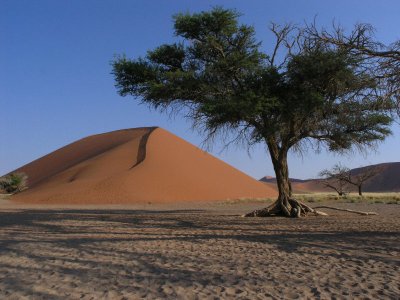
196	252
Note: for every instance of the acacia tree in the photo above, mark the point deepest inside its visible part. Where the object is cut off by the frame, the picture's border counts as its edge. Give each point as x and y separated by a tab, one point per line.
217	75
358	177
335	178
339	177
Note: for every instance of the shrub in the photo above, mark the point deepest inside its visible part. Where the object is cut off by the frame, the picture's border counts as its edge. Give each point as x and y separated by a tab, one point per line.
13	182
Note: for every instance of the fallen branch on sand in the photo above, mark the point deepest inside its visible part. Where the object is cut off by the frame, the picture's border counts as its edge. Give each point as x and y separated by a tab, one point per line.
364	213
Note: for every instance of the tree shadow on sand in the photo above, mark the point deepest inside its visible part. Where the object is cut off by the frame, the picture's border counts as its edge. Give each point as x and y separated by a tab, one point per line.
86	245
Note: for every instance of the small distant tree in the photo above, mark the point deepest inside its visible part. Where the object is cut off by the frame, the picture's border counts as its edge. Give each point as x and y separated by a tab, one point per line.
218	76
334	178
359	177
14	182
340	177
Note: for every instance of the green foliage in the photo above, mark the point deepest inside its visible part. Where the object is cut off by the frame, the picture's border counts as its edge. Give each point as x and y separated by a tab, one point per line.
223	80
380	61
14	182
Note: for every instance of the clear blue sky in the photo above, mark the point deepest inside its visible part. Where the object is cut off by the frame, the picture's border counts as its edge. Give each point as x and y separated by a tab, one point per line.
56	86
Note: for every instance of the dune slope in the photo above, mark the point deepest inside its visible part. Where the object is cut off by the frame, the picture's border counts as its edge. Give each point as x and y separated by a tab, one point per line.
138	165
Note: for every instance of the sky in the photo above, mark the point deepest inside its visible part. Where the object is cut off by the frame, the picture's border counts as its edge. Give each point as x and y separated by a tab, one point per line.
56	84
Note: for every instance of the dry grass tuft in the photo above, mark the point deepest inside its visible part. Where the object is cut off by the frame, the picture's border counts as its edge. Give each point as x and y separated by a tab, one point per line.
247	200
4	196
385	198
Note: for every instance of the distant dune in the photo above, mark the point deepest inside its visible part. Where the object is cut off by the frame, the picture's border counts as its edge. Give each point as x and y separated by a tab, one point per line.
138	165
387	180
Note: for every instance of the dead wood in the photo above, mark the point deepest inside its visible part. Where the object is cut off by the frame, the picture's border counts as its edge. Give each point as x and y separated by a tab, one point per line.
364	213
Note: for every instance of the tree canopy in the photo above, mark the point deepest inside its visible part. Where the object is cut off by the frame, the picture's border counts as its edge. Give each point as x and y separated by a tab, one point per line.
218	76
381	61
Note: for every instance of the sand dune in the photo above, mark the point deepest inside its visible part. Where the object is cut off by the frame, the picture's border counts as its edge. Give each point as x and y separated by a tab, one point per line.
135	166
388	179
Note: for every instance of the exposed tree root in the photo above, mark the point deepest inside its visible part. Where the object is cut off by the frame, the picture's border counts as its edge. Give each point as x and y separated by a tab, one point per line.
296	209
290	208
364	213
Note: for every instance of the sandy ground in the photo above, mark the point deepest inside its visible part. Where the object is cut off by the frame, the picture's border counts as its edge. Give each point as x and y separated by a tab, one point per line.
197	252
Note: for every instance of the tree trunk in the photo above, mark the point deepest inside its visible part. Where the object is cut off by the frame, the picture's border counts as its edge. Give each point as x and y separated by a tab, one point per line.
285	205
359	190
279	161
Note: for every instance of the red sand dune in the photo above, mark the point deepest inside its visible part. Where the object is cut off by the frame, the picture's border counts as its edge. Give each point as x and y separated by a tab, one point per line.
310	186
138	165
